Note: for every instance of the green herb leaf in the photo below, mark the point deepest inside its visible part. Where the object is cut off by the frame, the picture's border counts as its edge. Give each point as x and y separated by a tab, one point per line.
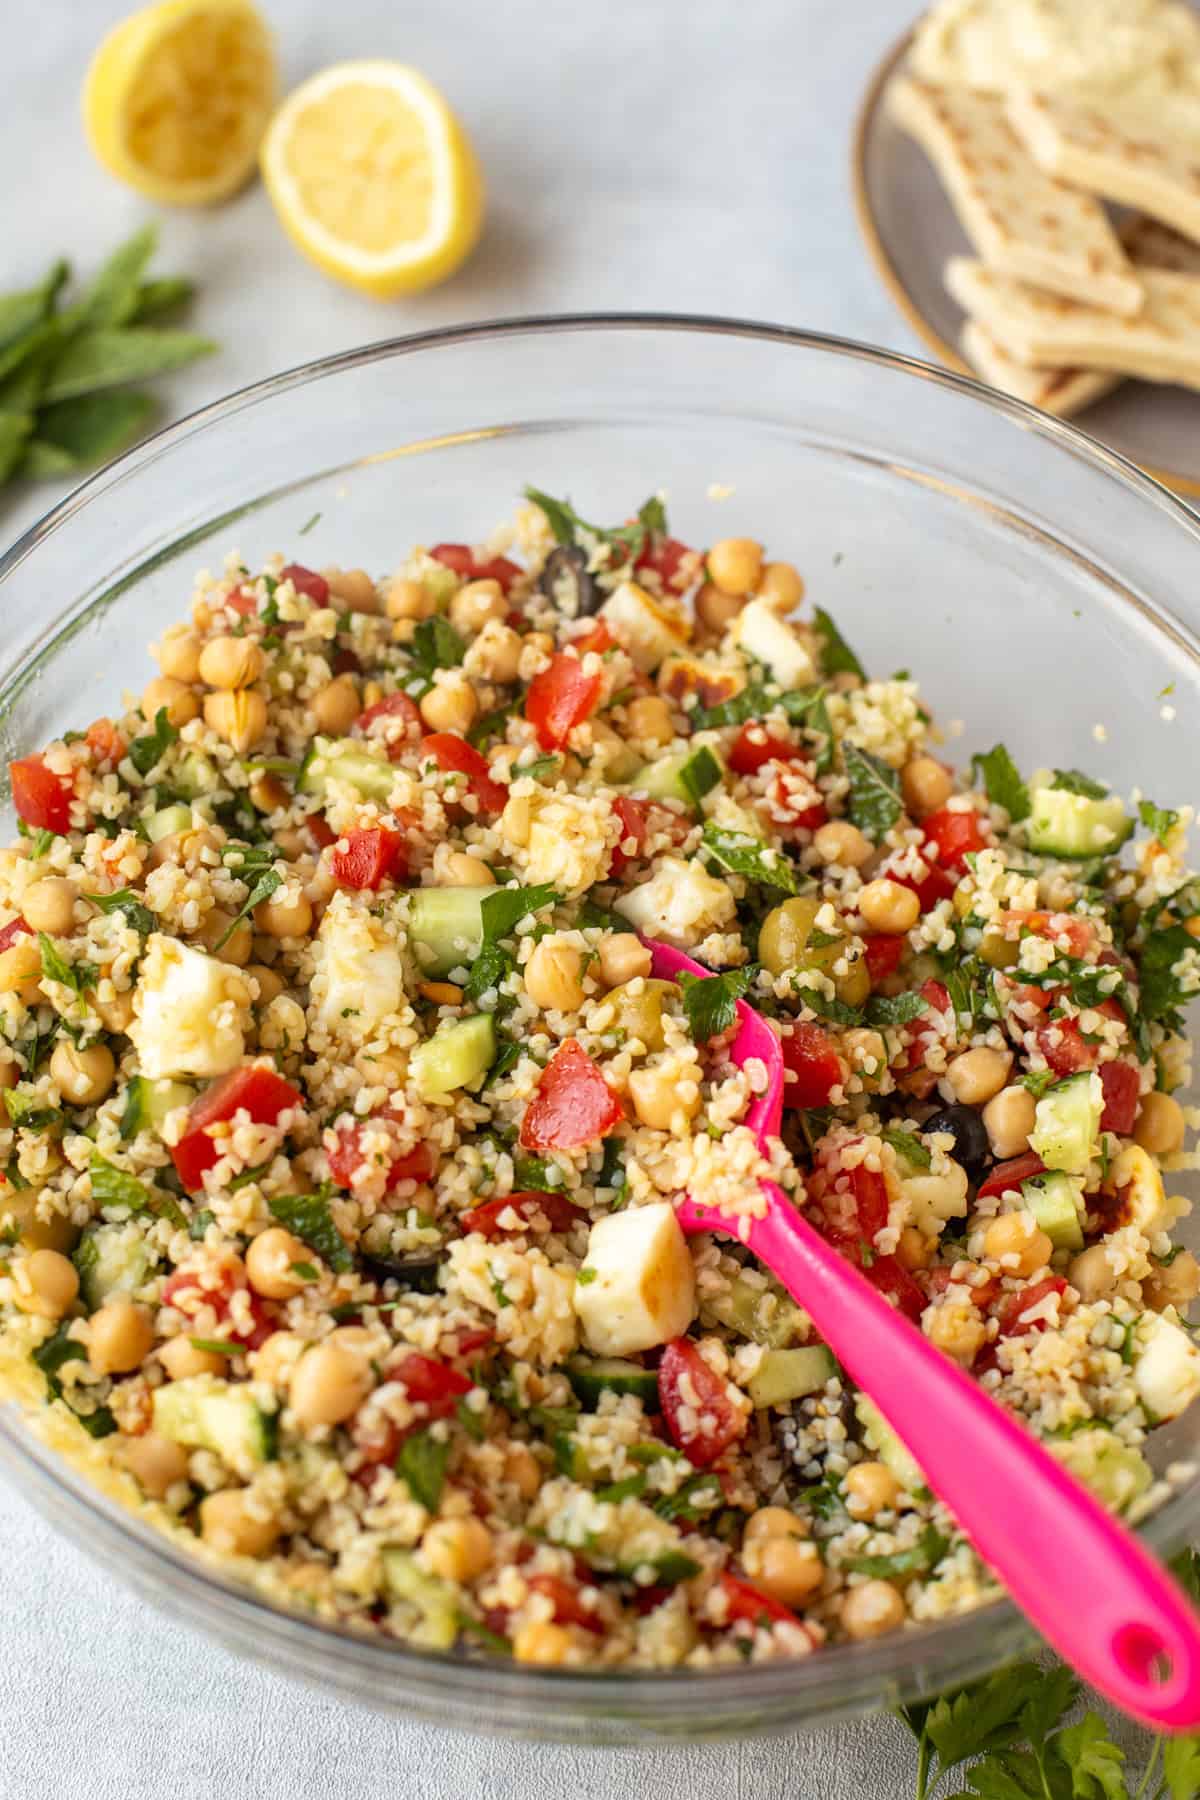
744	855
55	967
612	1170
504	908
200	1222
698	1496
138	917
699	775
1163	992
146	752
491	727
163	294
1002	782
837	658
1158	822
20	312
15	431
540	766
436	645
308	1215
592	917
895	1009
110	357
626	541
112	298
216	1346
422	1462
1181	1767
908	1145
113	1187
710	1001
268	883
924	1555
826	1006
875	803
1071	781
71	434
983	1717
50	1357
1050	1701
28	1111
1095	1762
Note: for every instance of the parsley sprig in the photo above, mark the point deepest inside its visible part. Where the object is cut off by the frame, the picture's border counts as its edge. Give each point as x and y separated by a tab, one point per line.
710	1001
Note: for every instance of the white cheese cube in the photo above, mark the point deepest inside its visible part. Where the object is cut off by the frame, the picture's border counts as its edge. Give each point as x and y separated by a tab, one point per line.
637	1286
1166	1367
761	633
649	630
680	903
191	1012
358	973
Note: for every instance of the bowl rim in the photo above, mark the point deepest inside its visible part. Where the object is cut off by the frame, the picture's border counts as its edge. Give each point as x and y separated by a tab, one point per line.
846	1677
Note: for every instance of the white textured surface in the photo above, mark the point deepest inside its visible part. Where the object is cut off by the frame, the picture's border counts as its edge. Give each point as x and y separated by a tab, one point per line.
679	156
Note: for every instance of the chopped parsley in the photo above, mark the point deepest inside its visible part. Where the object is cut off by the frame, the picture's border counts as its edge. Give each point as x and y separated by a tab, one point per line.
138	917
744	855
1158	821
308	1215
625	541
422	1461
145	752
1072	781
55	967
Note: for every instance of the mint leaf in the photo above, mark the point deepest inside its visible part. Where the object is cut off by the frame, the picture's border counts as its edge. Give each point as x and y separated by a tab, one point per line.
28	1111
837	658
908	1145
1002	782
504	908
268	883
112	298
50	1357
55	967
163	294
423	1461
1071	781
895	1009
710	1001
436	645
1162	991
308	1215
836	1011
110	357
125	901
924	1555
744	855
875	803
146	752
1157	820
113	1187
70	434
626	541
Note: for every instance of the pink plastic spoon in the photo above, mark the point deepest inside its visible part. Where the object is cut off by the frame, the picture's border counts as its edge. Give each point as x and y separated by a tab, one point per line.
1089	1585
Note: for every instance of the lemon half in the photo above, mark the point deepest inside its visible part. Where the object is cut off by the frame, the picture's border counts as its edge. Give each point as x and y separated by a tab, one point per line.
178	96
373	177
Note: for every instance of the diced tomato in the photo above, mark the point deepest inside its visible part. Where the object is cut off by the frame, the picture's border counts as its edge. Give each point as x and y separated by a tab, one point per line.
754	746
1079	934
664	555
791	811
811	1068
105	742
956	835
347	1158
1064	1047
884	952
463	560
306	581
1040	999
12	931
394	706
573	1104
927	1026
930	884
241	601
1122	1087
634	818
257	1091
746	1604
1016	1308
567	1601
1012	1173
370	858
432	1384
893	1280
699	1414
936	1281
376	1445
599	639
190	1293
454	755
560	698
556	1209
42	798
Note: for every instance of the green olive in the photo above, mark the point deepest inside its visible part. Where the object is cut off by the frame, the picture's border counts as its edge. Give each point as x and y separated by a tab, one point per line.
855	985
783	944
18	1207
640	1011
997	951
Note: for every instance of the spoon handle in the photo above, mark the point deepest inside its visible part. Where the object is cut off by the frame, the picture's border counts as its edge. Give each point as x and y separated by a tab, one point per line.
1087	1583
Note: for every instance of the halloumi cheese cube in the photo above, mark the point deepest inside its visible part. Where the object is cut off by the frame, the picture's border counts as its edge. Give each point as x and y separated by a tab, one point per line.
637	1285
648	629
191	1012
1166	1367
358	972
680	903
761	633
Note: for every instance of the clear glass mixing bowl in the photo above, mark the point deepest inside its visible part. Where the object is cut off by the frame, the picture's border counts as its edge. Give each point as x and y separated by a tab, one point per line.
1036	583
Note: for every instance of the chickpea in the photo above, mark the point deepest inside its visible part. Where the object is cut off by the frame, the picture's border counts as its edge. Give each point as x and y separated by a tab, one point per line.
49	905
238	943
735	564
45	1283
913	1251
716	610
181	1359
978	1075
843	845
870	1488
461	870
287	914
539	1642
496	652
773	1521
1160	1125
457	1549
21	968
451	704
957	1330
409	600
191	849
178	700
925	784
268	793
1008	1119
553	977
781	585
229	1524
336	706
872	1610
231	662
274	1360
329	1384
239	719
83	1077
866	1053
886	906
521	1467
515	821
120	1337
1172	1284
179	654
787	1568
115	1014
475	605
623	957
657	1099
155	1463
1014	1241
10	1074
1092	1274
269	1264
649	720
354	588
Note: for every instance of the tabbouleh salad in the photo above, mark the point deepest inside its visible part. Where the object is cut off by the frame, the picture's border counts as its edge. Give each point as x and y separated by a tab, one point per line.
343	1117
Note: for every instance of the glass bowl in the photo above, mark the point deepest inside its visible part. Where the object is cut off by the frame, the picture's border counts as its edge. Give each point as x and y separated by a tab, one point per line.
1033	580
